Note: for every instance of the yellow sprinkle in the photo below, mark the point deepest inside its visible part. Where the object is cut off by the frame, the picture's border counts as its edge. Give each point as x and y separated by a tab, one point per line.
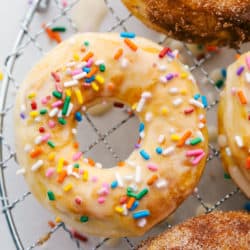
99	79
134	106
184	75
95	86
119	209
67	187
85	175
79	95
164	110
68	92
76	57
31	95
58	219
60	165
51	156
34	114
183	91
1	75
175	137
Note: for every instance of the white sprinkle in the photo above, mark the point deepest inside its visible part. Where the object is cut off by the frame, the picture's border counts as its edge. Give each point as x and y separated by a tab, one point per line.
133	187
69	109
148	117
27	148
138	174
172	130
228	151
239	141
247	76
71	83
78	77
201	125
161	183
38	119
199	134
20	171
162	67
74	131
70	64
124	63
146	95
69	169
23	108
131	163
125	210
37	165
163	79
98	165
196	103
81	65
140	105
99	62
201	116
142	134
161	138
59	114
76	175
168	151
173	91
177	102
119	179
53	112
38	139
128	177
142	222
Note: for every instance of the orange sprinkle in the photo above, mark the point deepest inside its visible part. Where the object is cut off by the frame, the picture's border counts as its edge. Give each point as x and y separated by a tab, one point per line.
111	86
91	162
118	54
203	120
76	145
65	163
92	72
88	56
248	162
237	56
130	202
51	224
61	176
52	35
152	179
211	48
83	49
139	140
130	44
121	164
36	152
242	97
182	140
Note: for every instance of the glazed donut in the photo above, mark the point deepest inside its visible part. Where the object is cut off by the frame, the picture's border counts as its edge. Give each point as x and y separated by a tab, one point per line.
201	21
169	158
217	230
234	121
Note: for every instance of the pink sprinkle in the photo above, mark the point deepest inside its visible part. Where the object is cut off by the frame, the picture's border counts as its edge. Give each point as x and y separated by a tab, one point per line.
57	104
55	76
78	200
52	124
64	3
94	179
76	72
77	156
101	200
49	172
81	171
58	88
248	62
194	152
45	137
90	62
106	185
188	111
103	191
233	91
198	159
44	101
152	167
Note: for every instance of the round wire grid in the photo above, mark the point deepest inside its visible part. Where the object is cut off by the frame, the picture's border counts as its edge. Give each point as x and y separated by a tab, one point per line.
26	219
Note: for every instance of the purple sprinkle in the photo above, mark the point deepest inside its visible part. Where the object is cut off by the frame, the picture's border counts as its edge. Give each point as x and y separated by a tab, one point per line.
22	115
240	70
169	76
170	54
137	145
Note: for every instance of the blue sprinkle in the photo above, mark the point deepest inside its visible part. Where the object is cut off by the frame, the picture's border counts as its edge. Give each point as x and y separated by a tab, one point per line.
204	101
114	184
22	115
158	150
247	206
141	127
85	69
141	214
134	206
144	155
89	80
78	116
224	72
197	96
127	34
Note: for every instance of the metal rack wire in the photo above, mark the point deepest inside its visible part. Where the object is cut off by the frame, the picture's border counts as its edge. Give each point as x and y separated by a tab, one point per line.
24	39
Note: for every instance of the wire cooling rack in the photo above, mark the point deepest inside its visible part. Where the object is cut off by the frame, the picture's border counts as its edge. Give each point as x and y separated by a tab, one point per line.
26	220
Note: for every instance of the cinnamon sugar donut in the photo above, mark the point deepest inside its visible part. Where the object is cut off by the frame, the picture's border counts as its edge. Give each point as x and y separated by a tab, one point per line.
167	162
234	122
211	22
214	231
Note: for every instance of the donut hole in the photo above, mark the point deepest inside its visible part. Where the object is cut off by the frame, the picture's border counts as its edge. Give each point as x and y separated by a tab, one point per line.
108	133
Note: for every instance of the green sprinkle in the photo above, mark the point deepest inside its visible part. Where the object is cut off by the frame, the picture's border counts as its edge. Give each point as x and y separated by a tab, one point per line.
227	176
76	165
86	43
200	46
58	29
219	83
84	218
130	192
62	121
195	141
102	67
51	196
66	105
43	111
142	193
51	144
57	94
